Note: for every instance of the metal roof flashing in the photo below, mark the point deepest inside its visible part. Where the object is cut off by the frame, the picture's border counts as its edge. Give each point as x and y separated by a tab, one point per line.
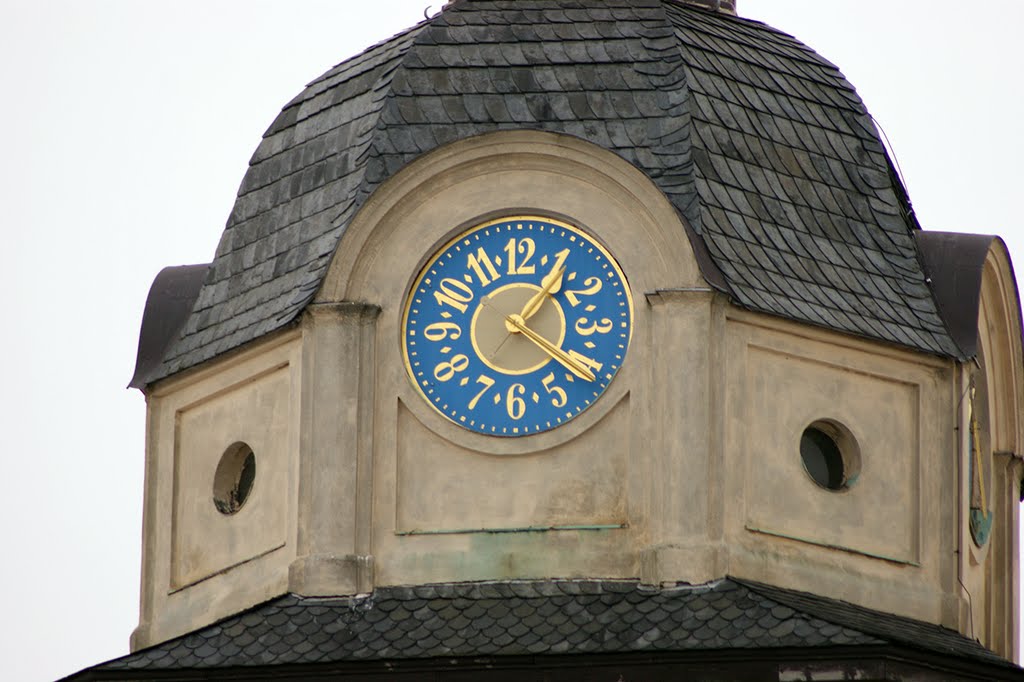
171	299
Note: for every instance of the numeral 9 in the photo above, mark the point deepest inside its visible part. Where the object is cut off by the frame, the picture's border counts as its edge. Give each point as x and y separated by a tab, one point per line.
439	331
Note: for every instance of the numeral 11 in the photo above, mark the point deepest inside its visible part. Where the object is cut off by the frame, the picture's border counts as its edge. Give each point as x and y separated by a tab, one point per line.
478	262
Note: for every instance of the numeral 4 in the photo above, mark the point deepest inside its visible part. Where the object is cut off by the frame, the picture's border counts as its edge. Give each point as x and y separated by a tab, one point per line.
592	365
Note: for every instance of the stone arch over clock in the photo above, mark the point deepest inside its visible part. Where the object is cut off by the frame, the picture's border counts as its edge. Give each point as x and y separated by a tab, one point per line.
581	497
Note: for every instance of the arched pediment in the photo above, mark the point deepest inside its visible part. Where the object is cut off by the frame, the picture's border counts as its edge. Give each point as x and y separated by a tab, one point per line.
509	173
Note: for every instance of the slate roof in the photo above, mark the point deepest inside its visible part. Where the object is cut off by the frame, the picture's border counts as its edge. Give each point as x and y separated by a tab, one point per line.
762	145
540	618
798	202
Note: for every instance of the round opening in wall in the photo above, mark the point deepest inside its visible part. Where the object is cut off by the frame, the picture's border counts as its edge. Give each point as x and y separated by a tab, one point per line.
233	480
830	455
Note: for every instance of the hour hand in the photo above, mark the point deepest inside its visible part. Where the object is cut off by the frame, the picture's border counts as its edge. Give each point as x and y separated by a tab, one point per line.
550	284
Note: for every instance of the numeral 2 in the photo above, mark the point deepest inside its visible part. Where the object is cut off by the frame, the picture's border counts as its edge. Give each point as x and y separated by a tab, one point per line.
592	286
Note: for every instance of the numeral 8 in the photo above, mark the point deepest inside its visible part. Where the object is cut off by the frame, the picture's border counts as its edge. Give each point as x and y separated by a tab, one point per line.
446	370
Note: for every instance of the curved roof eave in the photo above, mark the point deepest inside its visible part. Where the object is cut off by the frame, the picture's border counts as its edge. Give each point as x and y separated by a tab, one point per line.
168	305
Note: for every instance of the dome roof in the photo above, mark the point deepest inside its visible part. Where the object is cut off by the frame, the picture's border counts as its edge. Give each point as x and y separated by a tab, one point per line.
763	147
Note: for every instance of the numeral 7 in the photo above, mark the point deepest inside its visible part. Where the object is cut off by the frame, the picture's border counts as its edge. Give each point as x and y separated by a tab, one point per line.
487	382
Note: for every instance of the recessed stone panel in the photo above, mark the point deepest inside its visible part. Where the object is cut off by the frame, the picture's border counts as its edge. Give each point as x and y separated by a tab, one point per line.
444	488
874	515
206	540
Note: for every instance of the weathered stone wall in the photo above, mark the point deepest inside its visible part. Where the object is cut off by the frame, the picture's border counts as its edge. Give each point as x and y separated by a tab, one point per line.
687	469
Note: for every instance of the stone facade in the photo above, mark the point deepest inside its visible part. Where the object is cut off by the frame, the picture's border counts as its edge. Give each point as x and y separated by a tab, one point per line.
687	469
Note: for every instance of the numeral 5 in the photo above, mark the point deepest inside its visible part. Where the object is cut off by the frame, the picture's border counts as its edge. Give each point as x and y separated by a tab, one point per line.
560	398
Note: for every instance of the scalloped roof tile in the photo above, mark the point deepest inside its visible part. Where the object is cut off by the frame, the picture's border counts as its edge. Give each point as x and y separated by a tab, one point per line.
528	617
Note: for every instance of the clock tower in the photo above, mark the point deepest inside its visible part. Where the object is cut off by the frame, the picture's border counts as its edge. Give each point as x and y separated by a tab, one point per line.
584	340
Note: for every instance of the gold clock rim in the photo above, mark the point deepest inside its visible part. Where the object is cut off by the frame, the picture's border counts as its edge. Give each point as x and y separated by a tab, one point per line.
439	251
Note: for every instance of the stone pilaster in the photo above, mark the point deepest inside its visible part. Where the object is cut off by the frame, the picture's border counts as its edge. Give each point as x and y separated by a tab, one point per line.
686	478
336	451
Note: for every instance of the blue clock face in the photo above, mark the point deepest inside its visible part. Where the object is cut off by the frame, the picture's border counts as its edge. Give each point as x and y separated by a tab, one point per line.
517	326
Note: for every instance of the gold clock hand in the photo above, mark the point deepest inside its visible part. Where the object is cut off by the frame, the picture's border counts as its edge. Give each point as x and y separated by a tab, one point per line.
550	284
568	361
549	281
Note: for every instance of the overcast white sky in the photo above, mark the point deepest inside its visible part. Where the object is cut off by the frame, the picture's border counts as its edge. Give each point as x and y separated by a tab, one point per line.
128	125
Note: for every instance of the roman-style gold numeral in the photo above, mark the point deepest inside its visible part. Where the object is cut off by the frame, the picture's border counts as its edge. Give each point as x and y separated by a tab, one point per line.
591	285
446	370
454	293
479	262
526	248
560	398
487	382
600	327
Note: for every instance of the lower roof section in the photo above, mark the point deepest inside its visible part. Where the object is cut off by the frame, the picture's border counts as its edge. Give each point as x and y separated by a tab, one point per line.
437	631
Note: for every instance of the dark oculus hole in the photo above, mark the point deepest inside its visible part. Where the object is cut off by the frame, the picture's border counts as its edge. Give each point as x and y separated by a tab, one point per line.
234	478
822	459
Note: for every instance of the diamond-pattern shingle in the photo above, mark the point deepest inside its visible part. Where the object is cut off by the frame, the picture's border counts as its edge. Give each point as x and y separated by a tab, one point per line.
762	145
538	618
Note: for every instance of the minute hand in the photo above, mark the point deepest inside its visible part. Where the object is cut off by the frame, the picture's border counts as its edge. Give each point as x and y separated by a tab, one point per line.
570	363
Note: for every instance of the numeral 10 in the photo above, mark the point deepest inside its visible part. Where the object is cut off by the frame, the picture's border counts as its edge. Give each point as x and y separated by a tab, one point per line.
454	293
